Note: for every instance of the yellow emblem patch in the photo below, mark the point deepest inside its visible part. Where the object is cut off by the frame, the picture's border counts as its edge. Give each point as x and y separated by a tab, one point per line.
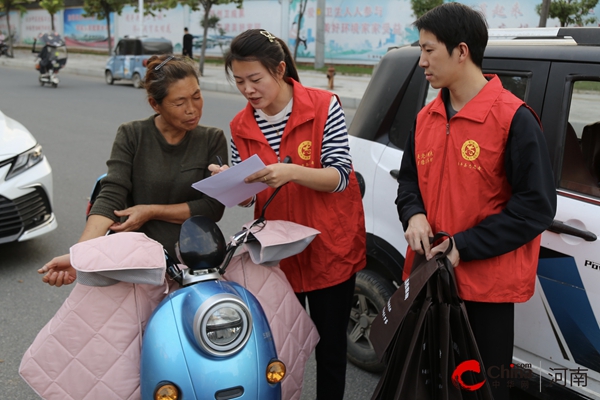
470	150
305	149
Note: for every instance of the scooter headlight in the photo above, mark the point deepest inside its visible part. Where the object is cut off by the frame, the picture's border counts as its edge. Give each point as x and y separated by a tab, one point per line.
222	325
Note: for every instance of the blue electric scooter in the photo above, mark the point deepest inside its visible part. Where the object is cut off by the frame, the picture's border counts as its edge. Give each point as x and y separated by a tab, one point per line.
209	339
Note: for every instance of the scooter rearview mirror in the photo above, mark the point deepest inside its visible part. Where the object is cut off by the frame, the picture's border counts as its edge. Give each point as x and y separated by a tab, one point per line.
201	243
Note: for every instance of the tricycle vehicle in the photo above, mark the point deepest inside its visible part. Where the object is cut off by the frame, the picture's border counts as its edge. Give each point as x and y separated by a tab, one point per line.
130	56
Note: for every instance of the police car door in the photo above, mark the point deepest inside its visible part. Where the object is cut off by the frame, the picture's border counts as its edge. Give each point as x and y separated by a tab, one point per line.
557	331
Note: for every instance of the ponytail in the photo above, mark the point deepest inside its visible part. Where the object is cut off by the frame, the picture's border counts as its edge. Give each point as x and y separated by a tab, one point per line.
290	66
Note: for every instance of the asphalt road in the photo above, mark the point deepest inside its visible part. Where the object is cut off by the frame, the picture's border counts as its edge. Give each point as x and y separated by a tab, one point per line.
76	124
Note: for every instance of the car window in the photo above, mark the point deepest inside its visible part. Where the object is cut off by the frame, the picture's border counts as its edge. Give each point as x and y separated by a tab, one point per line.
130	47
514	83
580	170
121	50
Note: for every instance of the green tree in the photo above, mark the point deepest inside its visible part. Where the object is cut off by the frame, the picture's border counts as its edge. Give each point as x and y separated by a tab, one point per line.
420	7
101	9
301	10
571	12
213	23
52	6
197	5
5	7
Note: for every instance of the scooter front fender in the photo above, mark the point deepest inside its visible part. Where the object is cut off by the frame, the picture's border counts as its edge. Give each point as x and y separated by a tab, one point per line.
171	352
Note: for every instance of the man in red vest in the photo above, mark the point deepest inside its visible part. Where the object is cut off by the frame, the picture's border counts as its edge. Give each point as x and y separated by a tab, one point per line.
476	166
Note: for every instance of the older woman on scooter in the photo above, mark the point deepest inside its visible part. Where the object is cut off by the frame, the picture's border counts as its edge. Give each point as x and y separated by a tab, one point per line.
153	165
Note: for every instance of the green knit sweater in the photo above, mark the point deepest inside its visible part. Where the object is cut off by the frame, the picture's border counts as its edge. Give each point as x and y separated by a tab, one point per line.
144	169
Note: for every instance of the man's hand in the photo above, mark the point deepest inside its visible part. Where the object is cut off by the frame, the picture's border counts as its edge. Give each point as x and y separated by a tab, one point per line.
453	256
58	271
418	233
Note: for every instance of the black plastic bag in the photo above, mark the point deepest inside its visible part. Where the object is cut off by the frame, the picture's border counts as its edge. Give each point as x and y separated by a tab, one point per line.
424	337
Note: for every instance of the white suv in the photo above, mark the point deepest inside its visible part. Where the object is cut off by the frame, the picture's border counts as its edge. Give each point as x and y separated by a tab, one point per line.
557	72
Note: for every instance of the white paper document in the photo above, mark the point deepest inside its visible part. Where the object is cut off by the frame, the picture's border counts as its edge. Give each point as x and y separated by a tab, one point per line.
229	187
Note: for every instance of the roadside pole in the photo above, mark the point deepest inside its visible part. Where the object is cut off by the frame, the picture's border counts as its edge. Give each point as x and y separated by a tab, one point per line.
320	39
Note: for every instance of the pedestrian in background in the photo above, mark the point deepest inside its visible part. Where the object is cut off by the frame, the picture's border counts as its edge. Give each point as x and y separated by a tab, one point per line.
318	188
188	42
476	166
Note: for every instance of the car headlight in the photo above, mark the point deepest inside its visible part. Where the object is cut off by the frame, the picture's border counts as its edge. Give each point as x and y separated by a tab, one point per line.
222	325
25	160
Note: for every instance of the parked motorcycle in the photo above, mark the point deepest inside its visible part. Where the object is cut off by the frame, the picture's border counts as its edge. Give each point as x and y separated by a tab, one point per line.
51	58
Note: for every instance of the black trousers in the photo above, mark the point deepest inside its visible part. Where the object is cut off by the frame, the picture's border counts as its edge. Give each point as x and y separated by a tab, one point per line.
329	309
493	328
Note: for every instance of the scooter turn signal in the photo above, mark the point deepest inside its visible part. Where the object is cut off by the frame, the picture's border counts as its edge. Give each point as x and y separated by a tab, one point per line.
275	371
166	391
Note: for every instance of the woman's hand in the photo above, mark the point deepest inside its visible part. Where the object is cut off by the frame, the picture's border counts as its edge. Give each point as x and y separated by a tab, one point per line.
215	169
274	175
59	271
136	217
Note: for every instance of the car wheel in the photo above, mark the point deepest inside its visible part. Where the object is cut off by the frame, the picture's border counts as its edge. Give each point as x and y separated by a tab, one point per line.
371	293
108	76
137	81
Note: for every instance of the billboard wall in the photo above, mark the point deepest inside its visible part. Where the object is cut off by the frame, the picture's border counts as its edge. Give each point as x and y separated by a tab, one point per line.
355	31
167	24
82	31
264	14
13	16
359	31
38	22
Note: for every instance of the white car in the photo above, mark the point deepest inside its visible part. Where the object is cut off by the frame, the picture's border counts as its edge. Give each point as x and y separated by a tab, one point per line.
557	332
25	185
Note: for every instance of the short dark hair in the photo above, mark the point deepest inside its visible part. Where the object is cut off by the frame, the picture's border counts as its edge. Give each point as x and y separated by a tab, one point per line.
158	82
185	29
454	23
260	45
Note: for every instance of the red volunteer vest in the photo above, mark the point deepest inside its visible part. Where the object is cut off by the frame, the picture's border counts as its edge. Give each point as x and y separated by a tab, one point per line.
460	167
339	250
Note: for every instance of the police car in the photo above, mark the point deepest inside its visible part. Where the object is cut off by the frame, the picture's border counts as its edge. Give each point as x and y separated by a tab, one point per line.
557	72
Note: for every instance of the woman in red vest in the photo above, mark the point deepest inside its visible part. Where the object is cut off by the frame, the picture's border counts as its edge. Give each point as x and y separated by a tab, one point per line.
318	188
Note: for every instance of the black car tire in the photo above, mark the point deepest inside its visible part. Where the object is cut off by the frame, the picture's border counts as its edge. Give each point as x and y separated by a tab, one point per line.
108	76
371	293
137	80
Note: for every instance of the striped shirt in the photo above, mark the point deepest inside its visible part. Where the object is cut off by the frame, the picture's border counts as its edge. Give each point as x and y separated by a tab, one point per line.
335	150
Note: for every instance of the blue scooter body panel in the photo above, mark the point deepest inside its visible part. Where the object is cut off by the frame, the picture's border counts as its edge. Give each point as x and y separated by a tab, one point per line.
171	353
